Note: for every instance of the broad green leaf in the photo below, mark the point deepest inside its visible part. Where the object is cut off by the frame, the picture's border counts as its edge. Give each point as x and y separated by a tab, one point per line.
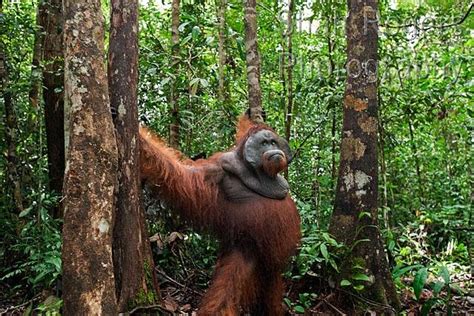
437	287
445	274
324	251
345	282
361	277
24	212
419	281
401	271
299	309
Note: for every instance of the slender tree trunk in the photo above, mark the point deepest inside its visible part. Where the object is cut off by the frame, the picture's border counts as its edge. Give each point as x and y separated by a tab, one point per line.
13	178
222	51
331	66
383	167
132	255
415	155
253	61
356	191
283	58
35	88
289	73
53	86
175	60
91	176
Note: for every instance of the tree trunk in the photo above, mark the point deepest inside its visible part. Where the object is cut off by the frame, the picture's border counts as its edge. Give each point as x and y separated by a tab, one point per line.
222	52
132	253
53	85
253	61
11	126
289	73
35	88
331	65
91	172
283	67
383	167
356	191
415	156
175	59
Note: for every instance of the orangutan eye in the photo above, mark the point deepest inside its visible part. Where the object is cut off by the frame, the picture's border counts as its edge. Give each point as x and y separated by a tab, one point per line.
265	143
273	142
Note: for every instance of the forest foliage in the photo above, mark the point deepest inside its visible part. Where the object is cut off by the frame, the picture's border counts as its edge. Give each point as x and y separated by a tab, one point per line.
425	137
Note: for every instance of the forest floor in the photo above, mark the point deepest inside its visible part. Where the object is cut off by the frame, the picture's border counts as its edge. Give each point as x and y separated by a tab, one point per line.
179	298
182	299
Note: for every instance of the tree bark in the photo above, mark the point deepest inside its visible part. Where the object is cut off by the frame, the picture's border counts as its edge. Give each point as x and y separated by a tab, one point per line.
289	73
175	59
35	88
282	65
222	52
131	249
91	172
253	61
53	96
383	167
11	126
358	169
331	65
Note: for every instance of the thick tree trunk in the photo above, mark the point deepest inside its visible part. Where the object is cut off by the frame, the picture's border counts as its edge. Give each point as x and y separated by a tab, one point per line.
132	253
53	83
13	177
358	169
175	60
253	61
91	172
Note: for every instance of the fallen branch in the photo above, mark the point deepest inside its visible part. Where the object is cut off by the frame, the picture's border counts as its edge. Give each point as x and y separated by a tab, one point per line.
164	275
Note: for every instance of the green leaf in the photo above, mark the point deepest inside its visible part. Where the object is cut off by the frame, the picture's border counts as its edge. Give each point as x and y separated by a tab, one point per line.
419	281
445	274
428	305
196	31
324	251
401	271
438	286
345	282
287	301
361	277
299	309
359	287
182	26
362	214
333	265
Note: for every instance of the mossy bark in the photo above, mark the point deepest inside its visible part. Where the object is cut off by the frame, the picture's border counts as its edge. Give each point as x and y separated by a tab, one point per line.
53	95
131	246
91	168
356	190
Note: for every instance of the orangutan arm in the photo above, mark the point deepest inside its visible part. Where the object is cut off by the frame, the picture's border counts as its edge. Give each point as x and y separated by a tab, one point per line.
190	188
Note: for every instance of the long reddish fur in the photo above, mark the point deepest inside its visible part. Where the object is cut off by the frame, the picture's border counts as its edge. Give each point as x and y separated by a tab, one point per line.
246	273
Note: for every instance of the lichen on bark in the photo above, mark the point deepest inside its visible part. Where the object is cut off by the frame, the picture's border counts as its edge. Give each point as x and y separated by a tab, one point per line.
91	173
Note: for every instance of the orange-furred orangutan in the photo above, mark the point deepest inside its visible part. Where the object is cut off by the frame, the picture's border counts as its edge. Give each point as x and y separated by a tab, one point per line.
239	197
